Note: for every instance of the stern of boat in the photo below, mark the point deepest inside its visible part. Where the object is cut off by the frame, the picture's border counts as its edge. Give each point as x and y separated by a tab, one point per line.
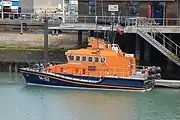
148	84
149	74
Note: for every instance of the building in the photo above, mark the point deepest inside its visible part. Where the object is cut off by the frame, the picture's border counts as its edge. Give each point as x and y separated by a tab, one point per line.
26	6
9	5
159	8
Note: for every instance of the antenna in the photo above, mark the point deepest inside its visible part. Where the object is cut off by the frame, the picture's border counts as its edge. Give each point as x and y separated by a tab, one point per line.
112	28
113	19
114	37
96	15
96	18
97	34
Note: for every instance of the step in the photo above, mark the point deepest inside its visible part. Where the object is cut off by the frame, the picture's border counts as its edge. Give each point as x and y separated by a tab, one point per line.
152	40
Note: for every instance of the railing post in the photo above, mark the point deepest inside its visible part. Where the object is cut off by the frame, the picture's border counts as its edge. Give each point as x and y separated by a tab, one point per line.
176	50
31	17
136	22
125	21
123	72
114	71
9	15
118	21
164	42
151	27
85	19
96	19
72	73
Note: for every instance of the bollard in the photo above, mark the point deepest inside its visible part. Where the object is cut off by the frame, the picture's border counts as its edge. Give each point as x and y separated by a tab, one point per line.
21	33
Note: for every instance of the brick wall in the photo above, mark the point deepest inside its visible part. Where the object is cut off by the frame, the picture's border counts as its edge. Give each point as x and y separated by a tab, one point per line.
171	8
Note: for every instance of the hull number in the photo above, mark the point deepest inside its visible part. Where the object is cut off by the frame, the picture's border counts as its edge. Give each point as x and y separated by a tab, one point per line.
43	78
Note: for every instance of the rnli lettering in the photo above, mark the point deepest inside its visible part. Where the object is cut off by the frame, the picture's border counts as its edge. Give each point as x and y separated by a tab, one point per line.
91	68
43	78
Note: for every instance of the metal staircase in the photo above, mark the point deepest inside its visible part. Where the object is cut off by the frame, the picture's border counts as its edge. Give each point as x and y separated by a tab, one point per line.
147	30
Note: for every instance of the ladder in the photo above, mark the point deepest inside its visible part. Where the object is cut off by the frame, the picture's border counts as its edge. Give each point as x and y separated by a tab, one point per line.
164	44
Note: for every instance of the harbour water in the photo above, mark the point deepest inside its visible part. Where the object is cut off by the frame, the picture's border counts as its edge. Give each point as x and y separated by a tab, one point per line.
20	102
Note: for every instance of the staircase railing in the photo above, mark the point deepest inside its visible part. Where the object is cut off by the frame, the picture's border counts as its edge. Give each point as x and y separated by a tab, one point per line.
164	40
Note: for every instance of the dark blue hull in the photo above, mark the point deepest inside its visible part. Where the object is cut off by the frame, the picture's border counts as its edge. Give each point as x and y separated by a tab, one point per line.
85	82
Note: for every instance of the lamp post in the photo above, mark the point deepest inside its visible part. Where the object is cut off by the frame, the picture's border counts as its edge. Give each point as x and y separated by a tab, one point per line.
112	15
2	7
164	12
63	11
96	17
45	40
113	20
102	7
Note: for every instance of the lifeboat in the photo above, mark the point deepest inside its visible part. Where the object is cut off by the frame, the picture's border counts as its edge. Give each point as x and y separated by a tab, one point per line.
100	66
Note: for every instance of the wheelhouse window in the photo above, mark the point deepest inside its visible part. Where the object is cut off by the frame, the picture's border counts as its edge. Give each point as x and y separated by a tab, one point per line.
71	57
83	58
90	59
103	59
96	59
78	58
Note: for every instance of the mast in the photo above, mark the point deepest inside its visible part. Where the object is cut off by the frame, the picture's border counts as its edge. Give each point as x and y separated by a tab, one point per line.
45	39
96	19
110	37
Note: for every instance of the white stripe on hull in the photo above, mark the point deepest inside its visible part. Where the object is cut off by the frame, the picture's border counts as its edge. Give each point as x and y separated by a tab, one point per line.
87	88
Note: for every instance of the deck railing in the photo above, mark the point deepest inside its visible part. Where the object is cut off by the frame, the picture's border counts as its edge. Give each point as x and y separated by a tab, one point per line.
73	19
106	71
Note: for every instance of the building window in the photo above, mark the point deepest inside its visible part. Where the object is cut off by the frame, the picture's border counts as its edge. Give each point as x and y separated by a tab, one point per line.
71	57
134	8
92	6
83	58
96	59
90	59
15	3
92	2
77	58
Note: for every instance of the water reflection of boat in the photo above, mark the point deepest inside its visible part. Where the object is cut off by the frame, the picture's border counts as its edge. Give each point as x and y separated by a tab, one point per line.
99	66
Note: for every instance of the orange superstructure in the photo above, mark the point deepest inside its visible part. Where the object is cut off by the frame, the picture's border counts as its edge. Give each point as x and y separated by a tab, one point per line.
99	59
